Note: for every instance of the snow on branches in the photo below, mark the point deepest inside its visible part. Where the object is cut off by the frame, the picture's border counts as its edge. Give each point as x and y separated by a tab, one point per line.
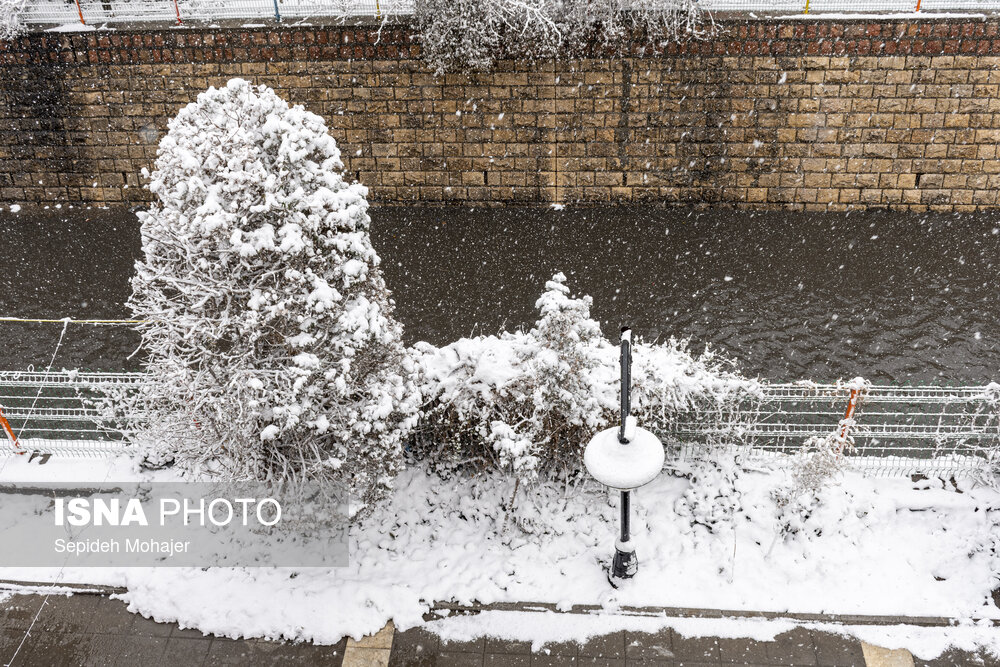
459	34
11	18
528	402
271	346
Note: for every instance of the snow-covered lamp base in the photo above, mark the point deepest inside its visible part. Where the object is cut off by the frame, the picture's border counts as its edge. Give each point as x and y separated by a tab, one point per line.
625	564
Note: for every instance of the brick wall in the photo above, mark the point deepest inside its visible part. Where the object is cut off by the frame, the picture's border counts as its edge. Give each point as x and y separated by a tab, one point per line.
803	115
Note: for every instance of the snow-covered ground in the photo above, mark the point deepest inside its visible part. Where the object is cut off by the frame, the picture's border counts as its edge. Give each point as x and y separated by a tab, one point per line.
884	547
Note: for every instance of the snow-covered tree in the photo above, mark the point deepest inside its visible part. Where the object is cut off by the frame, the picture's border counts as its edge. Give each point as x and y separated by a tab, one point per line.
271	346
459	34
11	18
562	402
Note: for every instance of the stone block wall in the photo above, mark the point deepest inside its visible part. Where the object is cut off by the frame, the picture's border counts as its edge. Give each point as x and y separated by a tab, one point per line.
799	115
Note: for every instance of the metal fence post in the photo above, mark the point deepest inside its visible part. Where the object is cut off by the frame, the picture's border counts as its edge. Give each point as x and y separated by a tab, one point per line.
80	12
277	13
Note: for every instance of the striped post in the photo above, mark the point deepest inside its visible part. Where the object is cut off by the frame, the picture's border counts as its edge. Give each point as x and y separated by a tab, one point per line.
5	425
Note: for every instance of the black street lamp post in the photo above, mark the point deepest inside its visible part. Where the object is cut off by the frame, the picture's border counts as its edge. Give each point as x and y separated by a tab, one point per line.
624	458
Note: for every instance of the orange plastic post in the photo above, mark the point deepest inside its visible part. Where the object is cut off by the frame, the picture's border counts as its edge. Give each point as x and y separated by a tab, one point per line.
79	10
10	432
918	6
852	406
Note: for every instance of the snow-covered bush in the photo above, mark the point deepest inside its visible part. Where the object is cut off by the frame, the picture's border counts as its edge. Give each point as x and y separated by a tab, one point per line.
11	18
271	347
458	34
528	402
713	498
814	469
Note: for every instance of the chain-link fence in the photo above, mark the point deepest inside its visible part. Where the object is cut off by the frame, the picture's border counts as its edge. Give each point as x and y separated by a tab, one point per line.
53	414
895	431
40	13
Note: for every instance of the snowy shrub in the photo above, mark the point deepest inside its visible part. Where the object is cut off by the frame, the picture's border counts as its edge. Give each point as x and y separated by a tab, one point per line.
458	34
713	499
815	468
11	18
987	415
271	346
528	402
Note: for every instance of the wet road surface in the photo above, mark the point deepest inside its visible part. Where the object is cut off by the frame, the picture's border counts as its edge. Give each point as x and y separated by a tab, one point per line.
895	297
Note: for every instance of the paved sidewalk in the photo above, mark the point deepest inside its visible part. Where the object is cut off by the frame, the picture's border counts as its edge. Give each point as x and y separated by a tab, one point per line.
800	647
96	630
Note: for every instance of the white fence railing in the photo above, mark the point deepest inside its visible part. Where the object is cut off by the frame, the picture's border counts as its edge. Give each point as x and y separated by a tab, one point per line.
896	430
40	13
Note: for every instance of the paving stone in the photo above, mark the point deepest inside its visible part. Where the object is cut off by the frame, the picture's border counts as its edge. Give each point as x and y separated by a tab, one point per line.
68	614
459	659
507	660
18	612
9	641
414	648
415	640
955	658
697	649
149	628
57	649
538	660
656	646
837	651
415	659
332	655
110	617
365	656
187	633
494	645
181	651
381	639
127	651
474	646
559	648
230	652
743	651
794	647
278	653
605	646
586	661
